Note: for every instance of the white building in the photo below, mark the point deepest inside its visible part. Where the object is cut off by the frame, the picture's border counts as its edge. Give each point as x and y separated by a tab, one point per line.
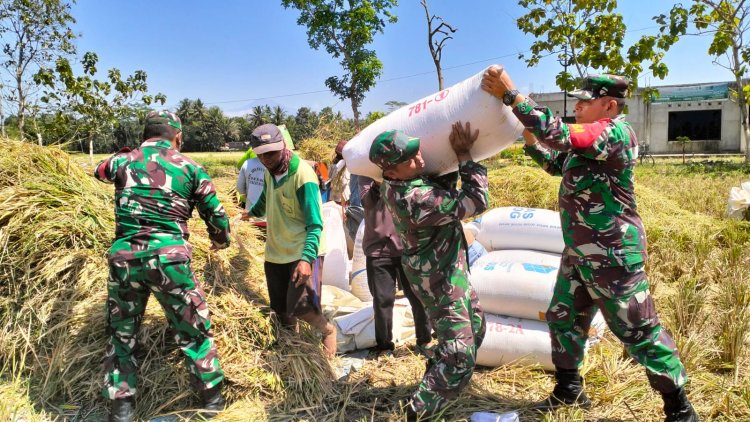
702	112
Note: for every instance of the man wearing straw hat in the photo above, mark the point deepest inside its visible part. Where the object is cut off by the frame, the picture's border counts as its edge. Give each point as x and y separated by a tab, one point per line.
156	189
427	213
605	242
291	202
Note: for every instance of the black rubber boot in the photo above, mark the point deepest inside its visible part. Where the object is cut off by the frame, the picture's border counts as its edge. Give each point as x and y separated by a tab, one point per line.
414	416
677	407
568	392
213	402
122	410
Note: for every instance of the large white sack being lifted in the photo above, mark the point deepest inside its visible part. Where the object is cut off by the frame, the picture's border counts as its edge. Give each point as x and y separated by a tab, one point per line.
521	228
430	119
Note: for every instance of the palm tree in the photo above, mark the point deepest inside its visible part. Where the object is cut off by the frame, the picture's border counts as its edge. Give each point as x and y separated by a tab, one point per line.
257	116
219	129
278	116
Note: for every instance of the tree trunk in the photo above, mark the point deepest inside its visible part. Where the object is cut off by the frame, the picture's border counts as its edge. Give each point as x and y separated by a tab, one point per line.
21	108
355	111
741	103
355	106
440	75
2	118
91	152
38	132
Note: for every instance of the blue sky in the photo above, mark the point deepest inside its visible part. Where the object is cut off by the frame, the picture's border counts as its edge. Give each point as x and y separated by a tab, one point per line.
237	54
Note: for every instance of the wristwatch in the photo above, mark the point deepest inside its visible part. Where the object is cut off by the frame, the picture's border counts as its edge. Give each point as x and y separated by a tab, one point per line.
510	96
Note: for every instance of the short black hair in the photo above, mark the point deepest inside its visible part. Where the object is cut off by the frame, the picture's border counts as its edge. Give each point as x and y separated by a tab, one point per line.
161	130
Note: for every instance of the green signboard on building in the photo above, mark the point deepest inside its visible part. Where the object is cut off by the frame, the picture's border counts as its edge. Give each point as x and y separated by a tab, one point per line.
670	94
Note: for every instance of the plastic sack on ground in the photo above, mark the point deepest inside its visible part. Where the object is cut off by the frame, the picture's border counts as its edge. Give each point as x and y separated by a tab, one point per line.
521	228
739	202
336	257
356	331
430	119
336	302
359	286
523	341
517	283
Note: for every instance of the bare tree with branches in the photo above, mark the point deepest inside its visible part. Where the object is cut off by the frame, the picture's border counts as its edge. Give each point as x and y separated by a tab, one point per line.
436	38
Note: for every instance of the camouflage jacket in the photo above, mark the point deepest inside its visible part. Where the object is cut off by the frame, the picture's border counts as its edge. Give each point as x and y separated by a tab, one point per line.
427	213
156	189
600	221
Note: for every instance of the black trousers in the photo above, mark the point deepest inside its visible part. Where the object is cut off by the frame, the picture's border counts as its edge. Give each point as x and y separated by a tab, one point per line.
382	276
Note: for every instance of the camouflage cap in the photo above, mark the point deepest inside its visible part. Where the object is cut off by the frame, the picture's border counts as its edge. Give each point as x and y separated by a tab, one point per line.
393	147
597	86
164	117
267	138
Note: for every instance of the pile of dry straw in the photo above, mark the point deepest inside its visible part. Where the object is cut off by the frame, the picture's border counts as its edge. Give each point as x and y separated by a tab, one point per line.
56	223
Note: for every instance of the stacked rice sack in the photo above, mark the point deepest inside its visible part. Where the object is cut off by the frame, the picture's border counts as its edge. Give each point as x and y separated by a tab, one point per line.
515	280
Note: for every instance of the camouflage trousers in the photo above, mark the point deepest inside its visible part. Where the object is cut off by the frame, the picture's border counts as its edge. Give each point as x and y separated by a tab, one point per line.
458	321
623	296
175	287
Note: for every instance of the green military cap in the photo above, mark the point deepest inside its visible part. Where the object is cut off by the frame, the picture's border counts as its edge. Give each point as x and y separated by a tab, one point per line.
597	86
163	117
393	147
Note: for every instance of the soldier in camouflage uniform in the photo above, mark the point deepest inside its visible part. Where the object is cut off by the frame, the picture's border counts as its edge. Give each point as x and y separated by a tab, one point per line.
427	213
605	242
156	189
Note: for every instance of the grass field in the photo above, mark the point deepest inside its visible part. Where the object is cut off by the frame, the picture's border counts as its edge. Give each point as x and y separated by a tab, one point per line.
51	328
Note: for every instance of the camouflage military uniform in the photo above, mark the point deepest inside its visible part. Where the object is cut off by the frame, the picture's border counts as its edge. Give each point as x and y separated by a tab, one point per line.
156	189
427	213
605	243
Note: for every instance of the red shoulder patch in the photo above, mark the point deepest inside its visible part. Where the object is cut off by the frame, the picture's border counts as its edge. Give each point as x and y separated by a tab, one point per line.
584	135
101	170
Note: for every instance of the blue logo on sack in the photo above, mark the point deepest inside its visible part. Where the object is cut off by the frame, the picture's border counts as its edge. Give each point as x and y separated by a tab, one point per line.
543	269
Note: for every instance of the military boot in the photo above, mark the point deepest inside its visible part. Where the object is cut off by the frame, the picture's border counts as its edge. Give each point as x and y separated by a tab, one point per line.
677	407
568	392
122	410
414	416
213	402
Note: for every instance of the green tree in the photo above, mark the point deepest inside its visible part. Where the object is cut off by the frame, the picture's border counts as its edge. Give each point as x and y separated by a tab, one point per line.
191	110
373	116
128	132
193	114
344	29
585	35
34	33
244	129
683	141
95	106
260	115
727	22
218	130
291	126
306	121
278	115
